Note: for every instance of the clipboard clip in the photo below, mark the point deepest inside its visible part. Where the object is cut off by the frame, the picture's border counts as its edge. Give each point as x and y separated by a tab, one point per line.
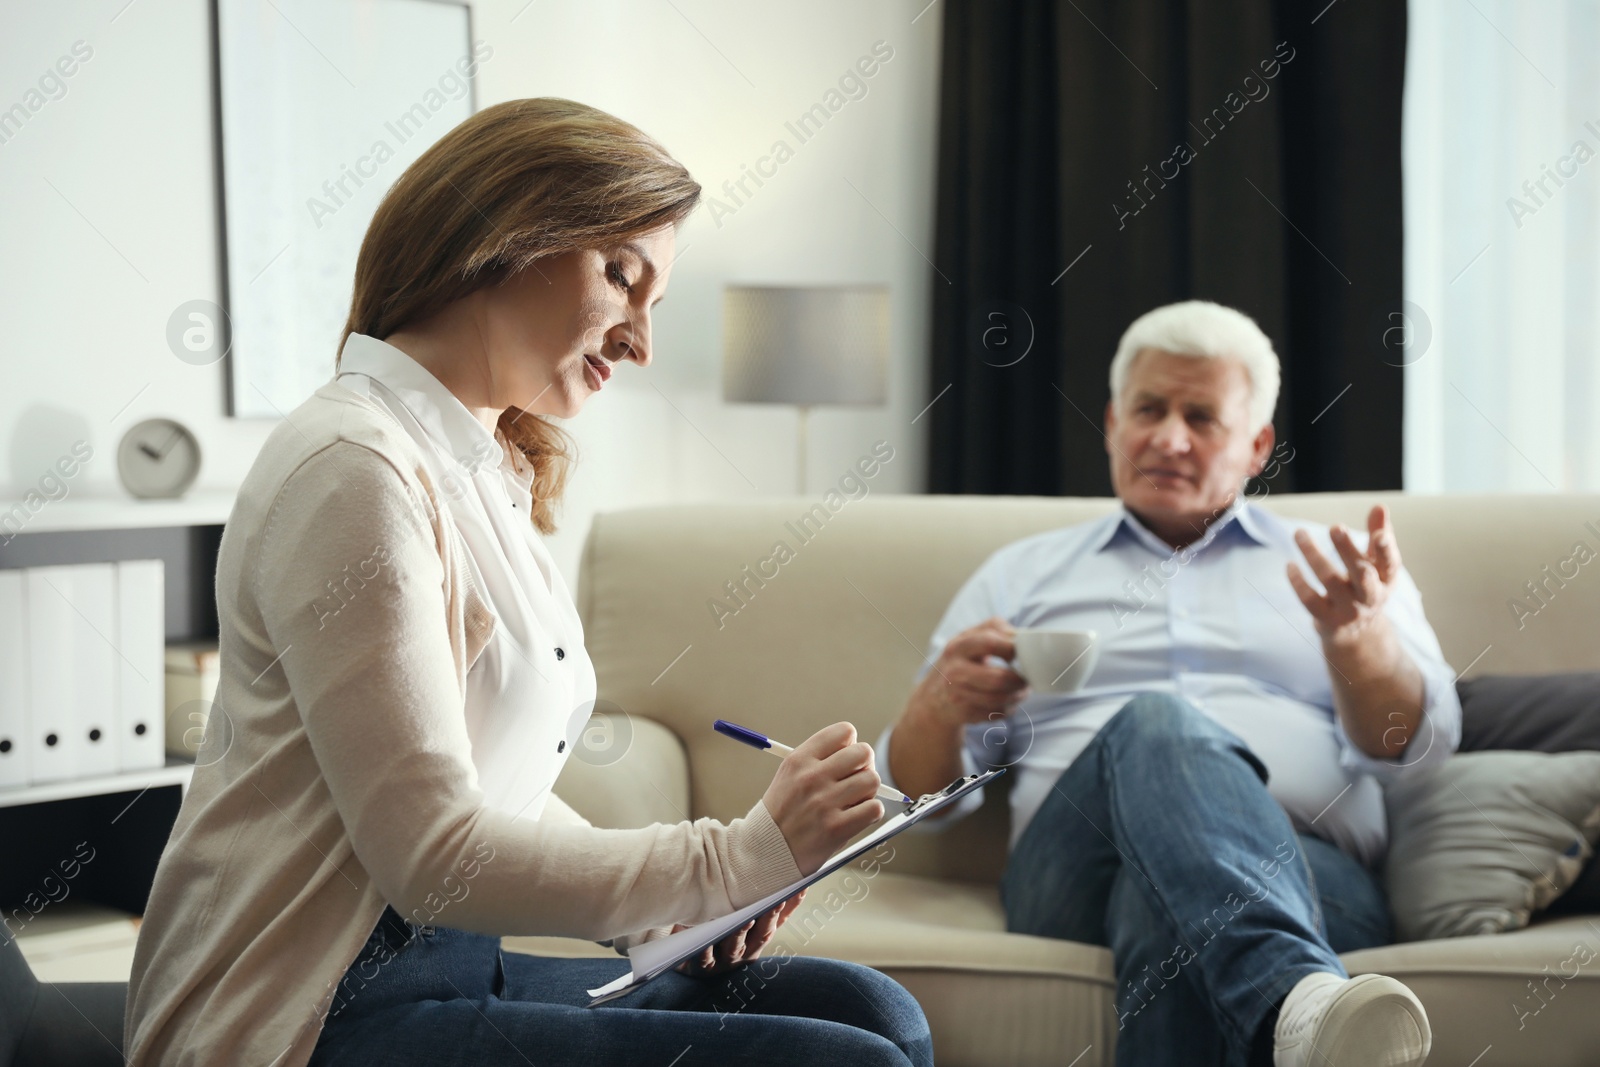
954	787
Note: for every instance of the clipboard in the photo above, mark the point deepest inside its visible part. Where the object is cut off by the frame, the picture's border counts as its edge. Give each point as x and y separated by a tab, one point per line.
654	958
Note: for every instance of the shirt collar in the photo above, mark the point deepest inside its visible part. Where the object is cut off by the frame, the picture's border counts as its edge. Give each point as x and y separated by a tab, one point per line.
1239	514
1249	520
441	414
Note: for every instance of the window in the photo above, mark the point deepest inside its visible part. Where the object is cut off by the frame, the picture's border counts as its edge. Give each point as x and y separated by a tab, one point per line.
1501	149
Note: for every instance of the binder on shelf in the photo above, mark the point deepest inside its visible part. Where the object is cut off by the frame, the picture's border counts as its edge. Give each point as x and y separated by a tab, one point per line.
140	717
72	672
53	742
14	735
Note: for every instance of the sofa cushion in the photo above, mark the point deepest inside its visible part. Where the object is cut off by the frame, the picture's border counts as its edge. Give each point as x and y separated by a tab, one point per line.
626	771
1484	840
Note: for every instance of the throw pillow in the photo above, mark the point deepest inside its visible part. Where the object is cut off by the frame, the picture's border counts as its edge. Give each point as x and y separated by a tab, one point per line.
1537	713
1531	713
1485	839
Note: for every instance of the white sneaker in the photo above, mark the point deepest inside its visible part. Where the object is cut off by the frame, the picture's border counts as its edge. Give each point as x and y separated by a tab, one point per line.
1370	1021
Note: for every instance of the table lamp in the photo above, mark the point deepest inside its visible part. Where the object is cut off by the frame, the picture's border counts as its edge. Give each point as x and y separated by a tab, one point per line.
826	344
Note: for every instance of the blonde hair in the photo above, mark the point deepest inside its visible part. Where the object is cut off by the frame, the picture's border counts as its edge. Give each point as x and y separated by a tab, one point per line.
516	183
1204	330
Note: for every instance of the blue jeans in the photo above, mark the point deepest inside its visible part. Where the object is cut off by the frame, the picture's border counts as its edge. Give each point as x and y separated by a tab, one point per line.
1161	842
436	996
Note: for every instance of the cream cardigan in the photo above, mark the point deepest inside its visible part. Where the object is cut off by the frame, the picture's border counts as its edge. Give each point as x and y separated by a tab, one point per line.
337	774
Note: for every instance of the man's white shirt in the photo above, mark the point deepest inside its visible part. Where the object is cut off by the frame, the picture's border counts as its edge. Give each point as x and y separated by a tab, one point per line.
1216	624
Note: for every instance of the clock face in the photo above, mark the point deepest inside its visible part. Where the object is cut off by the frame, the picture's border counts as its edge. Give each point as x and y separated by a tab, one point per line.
158	458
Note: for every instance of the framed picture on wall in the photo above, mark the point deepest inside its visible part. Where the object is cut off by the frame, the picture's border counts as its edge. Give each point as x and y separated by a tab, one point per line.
321	104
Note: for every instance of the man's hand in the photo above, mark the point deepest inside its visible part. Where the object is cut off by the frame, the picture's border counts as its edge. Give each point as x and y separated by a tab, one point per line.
741	946
1377	687
1356	597
961	688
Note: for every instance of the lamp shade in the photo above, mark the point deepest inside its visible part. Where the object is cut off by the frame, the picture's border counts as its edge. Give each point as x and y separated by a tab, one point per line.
813	345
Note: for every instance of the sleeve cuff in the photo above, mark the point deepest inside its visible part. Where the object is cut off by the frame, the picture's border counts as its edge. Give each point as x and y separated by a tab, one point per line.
1438	735
759	859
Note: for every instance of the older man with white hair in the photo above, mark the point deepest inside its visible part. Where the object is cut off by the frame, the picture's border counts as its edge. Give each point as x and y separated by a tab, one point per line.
1209	805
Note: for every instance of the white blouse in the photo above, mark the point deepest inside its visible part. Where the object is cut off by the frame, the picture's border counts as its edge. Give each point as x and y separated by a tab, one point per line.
532	690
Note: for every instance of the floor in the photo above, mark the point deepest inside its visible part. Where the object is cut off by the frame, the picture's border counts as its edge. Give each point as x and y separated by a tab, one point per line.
74	941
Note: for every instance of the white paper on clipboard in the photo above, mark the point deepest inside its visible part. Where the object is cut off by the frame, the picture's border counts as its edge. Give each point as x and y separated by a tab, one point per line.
654	958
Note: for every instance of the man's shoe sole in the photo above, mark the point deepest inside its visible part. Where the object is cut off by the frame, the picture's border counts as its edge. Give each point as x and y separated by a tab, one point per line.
1375	1021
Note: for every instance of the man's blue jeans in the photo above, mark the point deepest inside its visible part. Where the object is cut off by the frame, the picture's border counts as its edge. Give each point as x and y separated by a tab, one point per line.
1162	842
438	996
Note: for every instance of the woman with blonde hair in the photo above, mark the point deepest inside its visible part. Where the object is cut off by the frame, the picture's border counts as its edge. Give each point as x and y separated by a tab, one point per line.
403	676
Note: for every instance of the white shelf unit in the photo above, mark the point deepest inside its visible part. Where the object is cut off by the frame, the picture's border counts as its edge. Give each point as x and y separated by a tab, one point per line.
175	772
201	507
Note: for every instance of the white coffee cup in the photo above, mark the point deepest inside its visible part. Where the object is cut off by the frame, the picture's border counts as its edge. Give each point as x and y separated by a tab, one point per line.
1056	661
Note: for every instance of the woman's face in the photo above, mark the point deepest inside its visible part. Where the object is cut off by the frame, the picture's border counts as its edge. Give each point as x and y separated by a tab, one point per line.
557	331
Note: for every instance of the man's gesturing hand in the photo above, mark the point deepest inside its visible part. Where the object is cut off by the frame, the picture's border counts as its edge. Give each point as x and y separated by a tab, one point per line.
1356	597
824	794
963	687
1378	690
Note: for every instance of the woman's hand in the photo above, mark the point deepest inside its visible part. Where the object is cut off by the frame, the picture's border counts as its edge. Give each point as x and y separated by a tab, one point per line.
741	946
824	794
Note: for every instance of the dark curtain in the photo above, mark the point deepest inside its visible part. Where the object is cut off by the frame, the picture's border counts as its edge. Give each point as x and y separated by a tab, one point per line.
1098	158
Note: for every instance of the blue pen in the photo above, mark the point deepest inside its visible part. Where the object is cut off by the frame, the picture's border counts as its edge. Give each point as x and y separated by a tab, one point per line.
777	748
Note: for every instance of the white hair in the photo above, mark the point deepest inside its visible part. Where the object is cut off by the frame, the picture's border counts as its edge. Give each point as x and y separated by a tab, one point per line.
1209	331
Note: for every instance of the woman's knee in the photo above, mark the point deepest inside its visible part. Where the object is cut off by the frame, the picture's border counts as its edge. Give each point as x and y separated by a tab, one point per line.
872	1000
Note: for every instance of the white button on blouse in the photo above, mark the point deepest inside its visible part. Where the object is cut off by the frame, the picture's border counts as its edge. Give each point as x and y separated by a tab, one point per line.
533	687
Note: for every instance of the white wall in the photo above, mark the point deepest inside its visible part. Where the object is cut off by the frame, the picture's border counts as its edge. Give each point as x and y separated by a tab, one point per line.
110	223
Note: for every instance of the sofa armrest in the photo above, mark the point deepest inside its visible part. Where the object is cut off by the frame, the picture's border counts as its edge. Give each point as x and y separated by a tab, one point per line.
626	771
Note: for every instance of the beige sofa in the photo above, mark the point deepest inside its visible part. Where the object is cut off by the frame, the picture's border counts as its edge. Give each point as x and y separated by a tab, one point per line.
839	631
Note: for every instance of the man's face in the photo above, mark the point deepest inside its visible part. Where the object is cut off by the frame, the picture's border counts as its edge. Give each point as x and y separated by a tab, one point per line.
1180	441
